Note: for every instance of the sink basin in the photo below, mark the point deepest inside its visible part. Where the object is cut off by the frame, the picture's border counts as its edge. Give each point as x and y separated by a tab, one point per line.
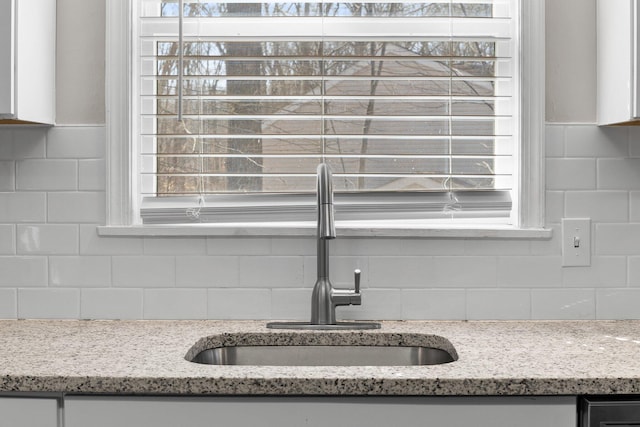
322	348
323	355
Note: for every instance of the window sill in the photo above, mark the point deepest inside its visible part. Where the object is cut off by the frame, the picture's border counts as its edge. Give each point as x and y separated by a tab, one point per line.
343	229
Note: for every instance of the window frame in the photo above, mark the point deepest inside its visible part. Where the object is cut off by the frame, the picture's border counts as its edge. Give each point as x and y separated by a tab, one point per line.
121	157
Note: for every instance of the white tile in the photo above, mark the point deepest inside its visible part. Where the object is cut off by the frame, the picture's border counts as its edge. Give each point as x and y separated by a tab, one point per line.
291	304
413	247
6	143
433	304
29	143
600	206
175	245
363	247
8	303
143	271
377	304
596	141
93	244
388	272
619	174
634	141
80	271
395	246
92	175
498	304
634	206
570	174
47	175
239	304
487	247
20	271
207	271
550	246
634	272
554	140
175	303
554	207
605	271
7	175
463	271
617	303
271	271
23	207
48	303
111	304
531	271
7	239
77	142
48	239
563	304
238	246
77	207
341	271
294	245
617	239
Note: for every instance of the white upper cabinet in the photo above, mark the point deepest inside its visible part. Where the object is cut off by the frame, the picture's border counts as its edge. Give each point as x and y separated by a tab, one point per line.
27	61
618	62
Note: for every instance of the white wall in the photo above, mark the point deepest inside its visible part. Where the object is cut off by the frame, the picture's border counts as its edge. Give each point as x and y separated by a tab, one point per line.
54	265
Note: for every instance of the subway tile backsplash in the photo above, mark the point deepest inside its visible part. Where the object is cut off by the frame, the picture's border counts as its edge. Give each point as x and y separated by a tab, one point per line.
47	239
54	265
46	175
7	175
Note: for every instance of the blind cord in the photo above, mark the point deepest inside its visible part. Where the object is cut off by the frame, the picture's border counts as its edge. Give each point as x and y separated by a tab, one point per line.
180	57
193	213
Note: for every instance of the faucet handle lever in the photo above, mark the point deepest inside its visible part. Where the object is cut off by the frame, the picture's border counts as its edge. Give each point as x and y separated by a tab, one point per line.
356	274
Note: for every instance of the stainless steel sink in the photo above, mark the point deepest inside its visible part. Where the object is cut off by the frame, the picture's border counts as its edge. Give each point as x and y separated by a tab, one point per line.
324	355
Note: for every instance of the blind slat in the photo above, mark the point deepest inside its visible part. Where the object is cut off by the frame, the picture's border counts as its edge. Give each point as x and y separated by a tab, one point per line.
228	208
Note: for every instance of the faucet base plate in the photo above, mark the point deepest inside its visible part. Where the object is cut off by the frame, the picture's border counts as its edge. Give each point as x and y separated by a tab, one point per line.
338	326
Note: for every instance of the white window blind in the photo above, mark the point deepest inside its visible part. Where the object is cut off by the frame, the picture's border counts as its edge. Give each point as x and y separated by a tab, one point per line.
414	105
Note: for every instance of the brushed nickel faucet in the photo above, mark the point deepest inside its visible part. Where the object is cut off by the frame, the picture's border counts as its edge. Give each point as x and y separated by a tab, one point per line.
325	298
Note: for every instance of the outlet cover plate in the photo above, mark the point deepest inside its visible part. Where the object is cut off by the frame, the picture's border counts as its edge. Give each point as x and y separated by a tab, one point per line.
576	242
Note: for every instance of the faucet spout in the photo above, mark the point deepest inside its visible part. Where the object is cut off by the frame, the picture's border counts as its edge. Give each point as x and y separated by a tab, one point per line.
326	221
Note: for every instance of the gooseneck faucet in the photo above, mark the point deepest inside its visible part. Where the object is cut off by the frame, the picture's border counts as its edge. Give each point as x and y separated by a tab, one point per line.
325	298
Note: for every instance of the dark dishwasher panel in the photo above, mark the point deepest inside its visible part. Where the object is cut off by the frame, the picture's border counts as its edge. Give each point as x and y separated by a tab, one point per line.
609	411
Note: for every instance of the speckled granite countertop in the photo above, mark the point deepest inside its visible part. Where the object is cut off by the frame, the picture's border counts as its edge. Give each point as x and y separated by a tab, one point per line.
148	357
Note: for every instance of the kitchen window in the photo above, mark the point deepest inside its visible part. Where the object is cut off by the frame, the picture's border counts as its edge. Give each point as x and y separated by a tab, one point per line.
416	106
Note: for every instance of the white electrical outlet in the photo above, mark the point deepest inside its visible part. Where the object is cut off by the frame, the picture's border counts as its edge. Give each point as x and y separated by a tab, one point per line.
576	242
